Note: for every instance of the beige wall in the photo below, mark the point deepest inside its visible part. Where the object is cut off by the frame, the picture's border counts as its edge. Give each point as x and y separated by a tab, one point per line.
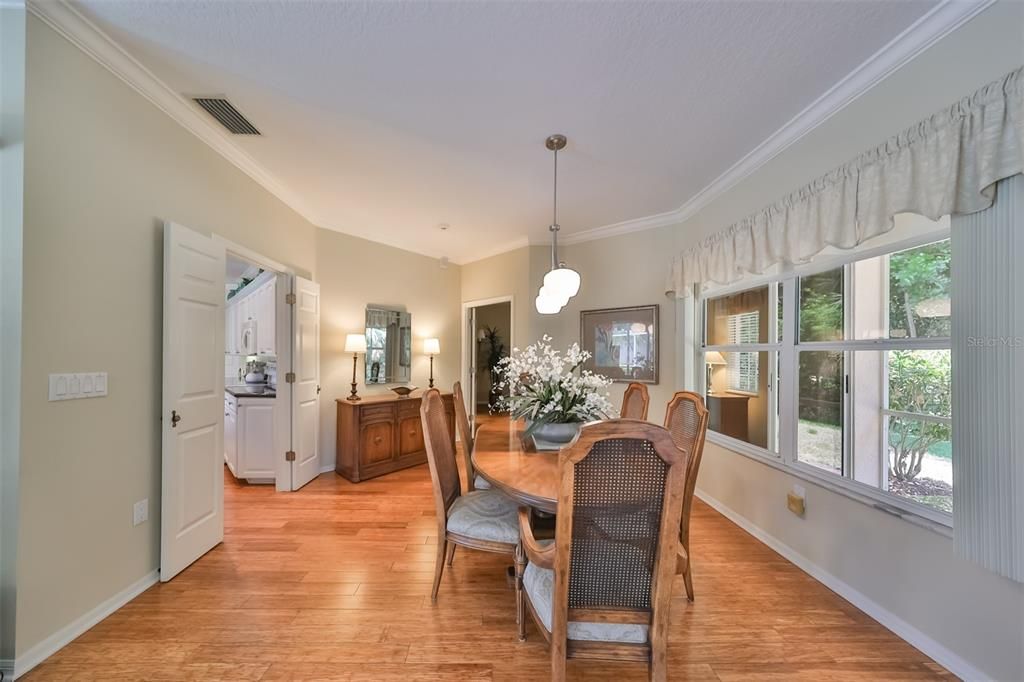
507	274
355	272
103	169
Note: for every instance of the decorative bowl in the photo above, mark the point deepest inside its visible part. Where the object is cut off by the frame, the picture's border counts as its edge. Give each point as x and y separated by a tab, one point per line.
403	391
554	436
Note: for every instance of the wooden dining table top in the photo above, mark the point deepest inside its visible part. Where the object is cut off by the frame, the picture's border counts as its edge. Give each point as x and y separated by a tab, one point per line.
514	466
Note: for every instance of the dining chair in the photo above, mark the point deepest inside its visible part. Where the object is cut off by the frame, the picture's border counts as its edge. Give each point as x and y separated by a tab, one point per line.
686	419
481	519
473	480
635	402
601	590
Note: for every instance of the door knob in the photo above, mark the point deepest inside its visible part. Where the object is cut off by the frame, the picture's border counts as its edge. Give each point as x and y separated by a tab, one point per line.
175	418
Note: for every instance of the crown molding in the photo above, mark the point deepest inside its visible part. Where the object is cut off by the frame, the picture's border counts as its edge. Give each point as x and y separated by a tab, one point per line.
942	20
63	18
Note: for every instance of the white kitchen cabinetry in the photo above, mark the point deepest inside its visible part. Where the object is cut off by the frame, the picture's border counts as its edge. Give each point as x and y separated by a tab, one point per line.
251	318
249	438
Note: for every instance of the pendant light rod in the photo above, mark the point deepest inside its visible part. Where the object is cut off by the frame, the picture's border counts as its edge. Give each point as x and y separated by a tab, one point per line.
555	143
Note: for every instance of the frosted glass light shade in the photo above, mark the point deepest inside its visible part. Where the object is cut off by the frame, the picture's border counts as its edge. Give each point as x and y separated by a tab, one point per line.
546	305
564	282
355	343
431	346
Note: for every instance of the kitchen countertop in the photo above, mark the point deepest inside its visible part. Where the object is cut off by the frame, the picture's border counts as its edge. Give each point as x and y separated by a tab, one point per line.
244	391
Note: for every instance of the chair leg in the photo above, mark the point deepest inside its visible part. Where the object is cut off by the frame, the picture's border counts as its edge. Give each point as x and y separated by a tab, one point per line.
688	581
520	560
442	546
558	655
451	553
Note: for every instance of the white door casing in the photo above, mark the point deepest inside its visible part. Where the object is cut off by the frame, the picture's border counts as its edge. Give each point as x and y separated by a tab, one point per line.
306	388
192	486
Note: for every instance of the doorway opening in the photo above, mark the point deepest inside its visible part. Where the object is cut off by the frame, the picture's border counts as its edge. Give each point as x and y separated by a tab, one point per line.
488	338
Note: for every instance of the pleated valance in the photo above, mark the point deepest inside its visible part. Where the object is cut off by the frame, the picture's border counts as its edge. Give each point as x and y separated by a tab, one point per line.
947	164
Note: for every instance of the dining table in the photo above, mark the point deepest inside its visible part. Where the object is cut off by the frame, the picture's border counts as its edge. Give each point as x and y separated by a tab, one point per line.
507	459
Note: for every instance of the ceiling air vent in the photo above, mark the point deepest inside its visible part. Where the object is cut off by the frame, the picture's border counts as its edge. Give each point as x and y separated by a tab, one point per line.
227	115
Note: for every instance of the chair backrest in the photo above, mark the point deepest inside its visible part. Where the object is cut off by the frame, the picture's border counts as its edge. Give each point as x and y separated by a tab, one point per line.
686	419
465	433
635	402
617	536
444	472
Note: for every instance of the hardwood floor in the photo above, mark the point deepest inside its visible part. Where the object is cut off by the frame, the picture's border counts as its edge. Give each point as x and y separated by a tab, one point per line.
333	583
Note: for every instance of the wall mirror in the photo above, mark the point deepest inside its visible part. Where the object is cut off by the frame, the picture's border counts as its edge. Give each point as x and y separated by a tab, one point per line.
388	346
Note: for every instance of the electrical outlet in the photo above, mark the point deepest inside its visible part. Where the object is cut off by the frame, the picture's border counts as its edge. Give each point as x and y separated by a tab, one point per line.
796	500
140	512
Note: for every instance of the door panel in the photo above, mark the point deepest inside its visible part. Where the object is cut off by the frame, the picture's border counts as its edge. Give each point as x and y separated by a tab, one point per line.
306	389
376	443
410	436
192	491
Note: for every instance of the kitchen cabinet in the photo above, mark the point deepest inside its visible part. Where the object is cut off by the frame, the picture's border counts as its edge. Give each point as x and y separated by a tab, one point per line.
249	438
251	319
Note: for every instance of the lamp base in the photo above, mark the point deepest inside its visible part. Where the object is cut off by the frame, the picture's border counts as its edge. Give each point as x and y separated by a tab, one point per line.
354	397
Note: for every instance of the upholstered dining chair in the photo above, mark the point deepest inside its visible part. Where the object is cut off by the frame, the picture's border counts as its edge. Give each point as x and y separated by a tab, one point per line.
467	437
686	419
481	519
635	402
601	590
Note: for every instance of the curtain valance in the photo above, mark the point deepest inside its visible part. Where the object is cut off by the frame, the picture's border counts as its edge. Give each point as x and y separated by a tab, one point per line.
946	164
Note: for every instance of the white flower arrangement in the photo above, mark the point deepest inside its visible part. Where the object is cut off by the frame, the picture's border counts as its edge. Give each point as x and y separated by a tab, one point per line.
546	387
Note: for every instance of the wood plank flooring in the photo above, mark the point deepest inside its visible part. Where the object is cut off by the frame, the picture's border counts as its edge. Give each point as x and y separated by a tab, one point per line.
333	583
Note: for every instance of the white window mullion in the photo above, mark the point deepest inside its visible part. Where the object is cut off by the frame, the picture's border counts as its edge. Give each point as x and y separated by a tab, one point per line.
788	371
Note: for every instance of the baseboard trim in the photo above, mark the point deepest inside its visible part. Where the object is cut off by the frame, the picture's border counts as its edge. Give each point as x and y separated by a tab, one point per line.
58	640
901	628
6	664
326	468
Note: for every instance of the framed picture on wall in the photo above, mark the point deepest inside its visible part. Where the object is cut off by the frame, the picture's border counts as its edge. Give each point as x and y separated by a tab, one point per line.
622	342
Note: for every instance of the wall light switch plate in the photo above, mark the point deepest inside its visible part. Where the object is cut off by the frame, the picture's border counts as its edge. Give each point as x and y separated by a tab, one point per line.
74	386
140	512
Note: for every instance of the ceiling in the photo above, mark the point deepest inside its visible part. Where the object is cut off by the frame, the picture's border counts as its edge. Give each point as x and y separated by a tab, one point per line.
391	118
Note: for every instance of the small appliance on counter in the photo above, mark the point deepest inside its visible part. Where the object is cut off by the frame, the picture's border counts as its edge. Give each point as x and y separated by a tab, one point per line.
255	376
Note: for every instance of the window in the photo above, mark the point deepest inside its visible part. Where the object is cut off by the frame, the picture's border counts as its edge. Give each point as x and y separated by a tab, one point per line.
868	343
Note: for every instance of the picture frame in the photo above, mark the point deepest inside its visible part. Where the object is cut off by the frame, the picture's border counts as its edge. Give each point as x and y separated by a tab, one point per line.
622	342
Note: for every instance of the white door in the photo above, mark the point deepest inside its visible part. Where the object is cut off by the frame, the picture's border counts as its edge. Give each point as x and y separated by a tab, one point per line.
306	388
192	485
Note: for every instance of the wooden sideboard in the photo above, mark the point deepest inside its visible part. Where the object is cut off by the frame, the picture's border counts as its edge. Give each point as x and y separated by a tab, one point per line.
728	414
381	433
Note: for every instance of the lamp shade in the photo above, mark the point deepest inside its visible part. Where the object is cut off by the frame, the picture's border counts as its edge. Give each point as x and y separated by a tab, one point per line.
547	305
431	346
355	343
563	282
713	357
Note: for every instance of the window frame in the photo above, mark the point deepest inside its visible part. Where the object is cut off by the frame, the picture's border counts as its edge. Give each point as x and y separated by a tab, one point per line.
784	399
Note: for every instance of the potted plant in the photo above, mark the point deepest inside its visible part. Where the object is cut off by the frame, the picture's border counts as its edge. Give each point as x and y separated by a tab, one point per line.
551	392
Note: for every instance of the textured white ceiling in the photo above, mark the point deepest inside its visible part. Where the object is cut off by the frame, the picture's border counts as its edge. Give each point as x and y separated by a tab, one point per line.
389	118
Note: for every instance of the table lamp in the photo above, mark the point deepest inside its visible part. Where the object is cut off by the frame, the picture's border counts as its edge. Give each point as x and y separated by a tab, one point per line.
711	358
355	344
431	347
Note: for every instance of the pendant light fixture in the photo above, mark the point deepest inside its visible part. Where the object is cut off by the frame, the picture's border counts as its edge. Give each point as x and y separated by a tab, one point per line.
561	282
